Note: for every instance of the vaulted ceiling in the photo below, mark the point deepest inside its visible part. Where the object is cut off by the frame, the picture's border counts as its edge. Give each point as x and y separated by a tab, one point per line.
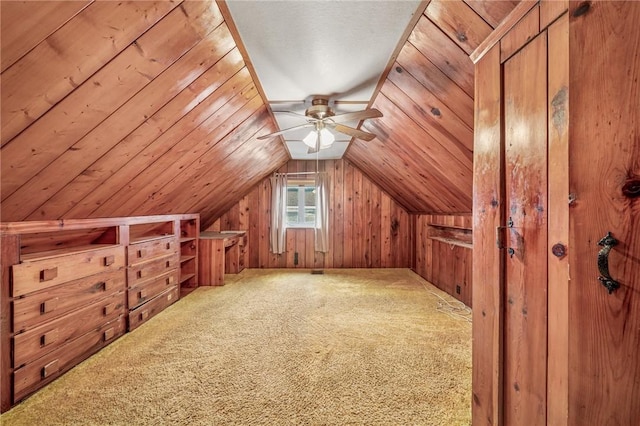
136	108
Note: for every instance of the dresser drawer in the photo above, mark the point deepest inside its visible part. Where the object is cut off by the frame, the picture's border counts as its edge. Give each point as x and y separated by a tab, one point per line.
34	275
42	371
35	343
147	290
37	308
142	252
145	271
152	307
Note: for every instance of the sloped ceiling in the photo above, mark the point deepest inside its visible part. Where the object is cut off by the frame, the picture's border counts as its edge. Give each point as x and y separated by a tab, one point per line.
118	109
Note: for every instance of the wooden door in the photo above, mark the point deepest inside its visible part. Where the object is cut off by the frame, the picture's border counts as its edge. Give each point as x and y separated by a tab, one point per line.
604	176
525	285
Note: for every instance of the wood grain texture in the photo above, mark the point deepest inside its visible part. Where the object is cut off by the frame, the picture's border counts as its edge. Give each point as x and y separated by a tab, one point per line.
488	215
465	27
356	242
558	266
520	34
27	23
68	57
525	330
550	10
443	53
604	96
126	118
492	11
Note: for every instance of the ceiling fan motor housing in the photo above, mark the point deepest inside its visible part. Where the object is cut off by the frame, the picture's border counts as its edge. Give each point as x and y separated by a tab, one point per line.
319	109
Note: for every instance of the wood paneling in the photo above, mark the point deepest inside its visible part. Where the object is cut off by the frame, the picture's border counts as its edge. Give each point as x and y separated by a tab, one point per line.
137	125
558	218
27	23
525	326
488	215
71	55
422	155
465	27
492	11
447	265
604	178
368	228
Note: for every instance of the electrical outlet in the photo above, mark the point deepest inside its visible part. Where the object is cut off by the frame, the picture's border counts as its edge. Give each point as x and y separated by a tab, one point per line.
458	289
295	258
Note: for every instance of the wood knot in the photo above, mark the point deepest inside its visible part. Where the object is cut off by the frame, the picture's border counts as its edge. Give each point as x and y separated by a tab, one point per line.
631	189
462	37
399	69
435	111
582	9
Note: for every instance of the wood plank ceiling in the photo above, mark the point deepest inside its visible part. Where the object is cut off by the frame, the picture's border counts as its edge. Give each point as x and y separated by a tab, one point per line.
135	108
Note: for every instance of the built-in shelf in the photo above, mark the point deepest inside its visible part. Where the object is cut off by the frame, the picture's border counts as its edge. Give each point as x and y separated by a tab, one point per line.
186	277
186	239
185	258
454	235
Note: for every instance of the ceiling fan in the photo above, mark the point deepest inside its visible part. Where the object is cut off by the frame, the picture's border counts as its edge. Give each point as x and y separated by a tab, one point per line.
320	117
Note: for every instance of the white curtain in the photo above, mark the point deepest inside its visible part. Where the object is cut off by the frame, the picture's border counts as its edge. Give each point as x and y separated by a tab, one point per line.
322	212
277	236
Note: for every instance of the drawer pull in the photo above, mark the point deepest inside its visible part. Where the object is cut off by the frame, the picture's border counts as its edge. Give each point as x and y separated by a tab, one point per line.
108	309
141	253
100	286
169	280
168	264
139	274
109	333
169	296
142	294
109	260
48	274
144	315
50	369
48	306
49	338
168	246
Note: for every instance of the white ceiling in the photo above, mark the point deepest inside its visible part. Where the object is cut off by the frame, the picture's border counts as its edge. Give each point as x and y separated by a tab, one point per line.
333	48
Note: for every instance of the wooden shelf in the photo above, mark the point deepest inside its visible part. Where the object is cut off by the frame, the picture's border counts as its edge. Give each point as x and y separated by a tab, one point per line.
186	258
455	235
187	239
186	277
452	241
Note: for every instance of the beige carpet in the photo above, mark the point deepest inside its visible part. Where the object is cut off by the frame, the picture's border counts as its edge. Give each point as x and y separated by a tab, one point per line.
274	347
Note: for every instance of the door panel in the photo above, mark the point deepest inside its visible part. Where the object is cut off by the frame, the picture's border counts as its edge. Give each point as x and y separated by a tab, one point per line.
604	165
525	319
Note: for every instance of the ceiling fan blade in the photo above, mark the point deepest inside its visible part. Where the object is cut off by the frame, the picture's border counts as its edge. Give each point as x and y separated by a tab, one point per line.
359	134
302	126
357	115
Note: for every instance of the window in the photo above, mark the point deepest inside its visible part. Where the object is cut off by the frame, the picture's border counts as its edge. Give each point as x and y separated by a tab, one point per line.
301	204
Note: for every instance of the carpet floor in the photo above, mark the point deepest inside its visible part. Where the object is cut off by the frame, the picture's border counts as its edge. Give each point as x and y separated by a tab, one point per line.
278	347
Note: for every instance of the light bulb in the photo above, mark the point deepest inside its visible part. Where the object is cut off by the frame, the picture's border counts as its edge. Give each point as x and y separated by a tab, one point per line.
310	139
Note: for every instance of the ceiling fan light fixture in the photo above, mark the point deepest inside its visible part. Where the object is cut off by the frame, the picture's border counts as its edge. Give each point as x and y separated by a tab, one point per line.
326	138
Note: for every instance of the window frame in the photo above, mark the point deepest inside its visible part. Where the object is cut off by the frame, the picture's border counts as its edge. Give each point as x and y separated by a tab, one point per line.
301	185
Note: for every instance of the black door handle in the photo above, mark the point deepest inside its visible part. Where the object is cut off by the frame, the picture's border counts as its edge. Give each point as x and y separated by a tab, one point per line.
607	242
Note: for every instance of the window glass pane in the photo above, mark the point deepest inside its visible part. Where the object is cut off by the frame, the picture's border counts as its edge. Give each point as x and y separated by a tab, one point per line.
292	197
309	196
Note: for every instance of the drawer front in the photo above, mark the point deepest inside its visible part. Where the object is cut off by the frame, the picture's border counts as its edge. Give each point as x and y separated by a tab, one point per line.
142	252
152	307
147	290
37	308
145	271
37	275
35	343
34	375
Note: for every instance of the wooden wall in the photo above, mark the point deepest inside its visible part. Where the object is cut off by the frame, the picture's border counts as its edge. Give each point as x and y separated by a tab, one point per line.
368	228
443	253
